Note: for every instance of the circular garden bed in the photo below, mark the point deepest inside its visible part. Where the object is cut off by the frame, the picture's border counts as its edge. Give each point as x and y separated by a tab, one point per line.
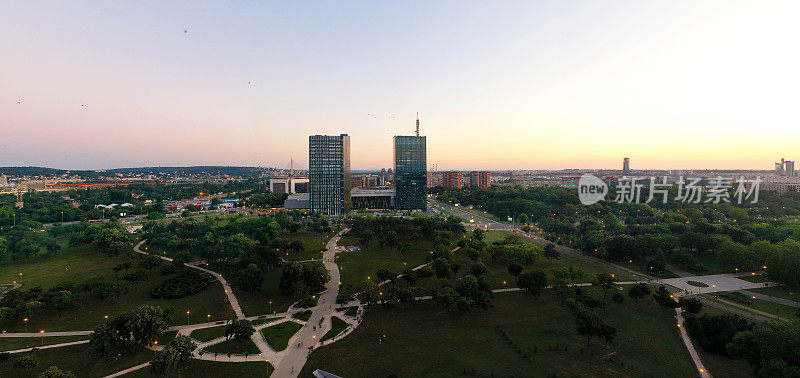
188	283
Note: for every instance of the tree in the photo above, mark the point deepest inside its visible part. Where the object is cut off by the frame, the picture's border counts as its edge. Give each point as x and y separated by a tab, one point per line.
112	241
473	254
404	248
28	362
410	276
605	281
664	298
176	355
714	332
239	330
514	269
385	274
617	297
442	268
366	237
250	279
772	347
551	252
479	234
691	305
446	296
140	326
532	282
55	372
149	262
639	291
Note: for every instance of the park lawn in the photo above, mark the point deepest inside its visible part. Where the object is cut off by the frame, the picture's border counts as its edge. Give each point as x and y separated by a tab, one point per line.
208	334
351	311
257	302
791	293
91	313
84	262
202	368
313	242
278	336
446	342
230	346
712	265
491	236
724	366
356	267
784	311
12	343
75	359
337	327
773	308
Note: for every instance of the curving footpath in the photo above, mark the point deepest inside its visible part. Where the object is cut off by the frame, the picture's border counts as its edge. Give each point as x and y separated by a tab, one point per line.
228	291
291	361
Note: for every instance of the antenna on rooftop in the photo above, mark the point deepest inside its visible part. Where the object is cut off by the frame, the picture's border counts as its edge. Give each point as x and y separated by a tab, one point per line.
417	123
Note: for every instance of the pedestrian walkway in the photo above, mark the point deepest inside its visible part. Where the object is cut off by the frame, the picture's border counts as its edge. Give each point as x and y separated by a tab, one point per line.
228	291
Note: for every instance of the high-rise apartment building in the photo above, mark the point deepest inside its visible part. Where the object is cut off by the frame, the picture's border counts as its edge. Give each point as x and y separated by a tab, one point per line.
626	166
452	180
410	172
788	168
480	179
329	173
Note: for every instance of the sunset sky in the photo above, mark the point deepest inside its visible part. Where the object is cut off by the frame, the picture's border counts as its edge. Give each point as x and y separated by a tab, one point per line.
498	84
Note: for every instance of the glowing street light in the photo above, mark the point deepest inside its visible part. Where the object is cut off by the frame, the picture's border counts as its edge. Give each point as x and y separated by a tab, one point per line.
42	332
187	317
26	324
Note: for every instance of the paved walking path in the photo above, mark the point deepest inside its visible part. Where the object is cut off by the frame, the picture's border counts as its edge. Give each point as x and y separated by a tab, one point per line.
128	370
291	361
688	342
47	334
23	350
8	287
228	291
765	297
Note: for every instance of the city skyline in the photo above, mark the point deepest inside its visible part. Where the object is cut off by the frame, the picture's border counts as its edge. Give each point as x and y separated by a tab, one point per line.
517	85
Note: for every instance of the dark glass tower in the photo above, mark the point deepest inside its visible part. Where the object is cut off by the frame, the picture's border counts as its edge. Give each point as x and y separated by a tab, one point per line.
329	173
410	173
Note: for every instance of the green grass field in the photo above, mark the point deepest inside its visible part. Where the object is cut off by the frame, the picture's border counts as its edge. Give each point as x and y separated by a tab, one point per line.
425	340
75	359
77	263
791	293
278	336
202	368
12	343
83	265
230	346
337	326
257	302
356	267
208	334
313	243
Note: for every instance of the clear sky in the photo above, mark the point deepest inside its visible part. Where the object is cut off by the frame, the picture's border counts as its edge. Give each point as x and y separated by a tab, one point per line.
498	84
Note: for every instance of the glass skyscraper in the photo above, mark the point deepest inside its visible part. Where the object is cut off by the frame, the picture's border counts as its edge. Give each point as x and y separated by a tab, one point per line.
329	173
410	173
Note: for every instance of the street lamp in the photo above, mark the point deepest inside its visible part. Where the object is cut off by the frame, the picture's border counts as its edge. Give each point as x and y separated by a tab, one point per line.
270	306
42	332
26	324
208	317
187	317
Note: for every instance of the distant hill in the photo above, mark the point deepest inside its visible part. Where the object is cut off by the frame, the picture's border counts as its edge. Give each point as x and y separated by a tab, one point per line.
222	170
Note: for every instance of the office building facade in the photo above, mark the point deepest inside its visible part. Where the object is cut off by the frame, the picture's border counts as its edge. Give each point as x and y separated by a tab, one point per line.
453	180
410	173
329	173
